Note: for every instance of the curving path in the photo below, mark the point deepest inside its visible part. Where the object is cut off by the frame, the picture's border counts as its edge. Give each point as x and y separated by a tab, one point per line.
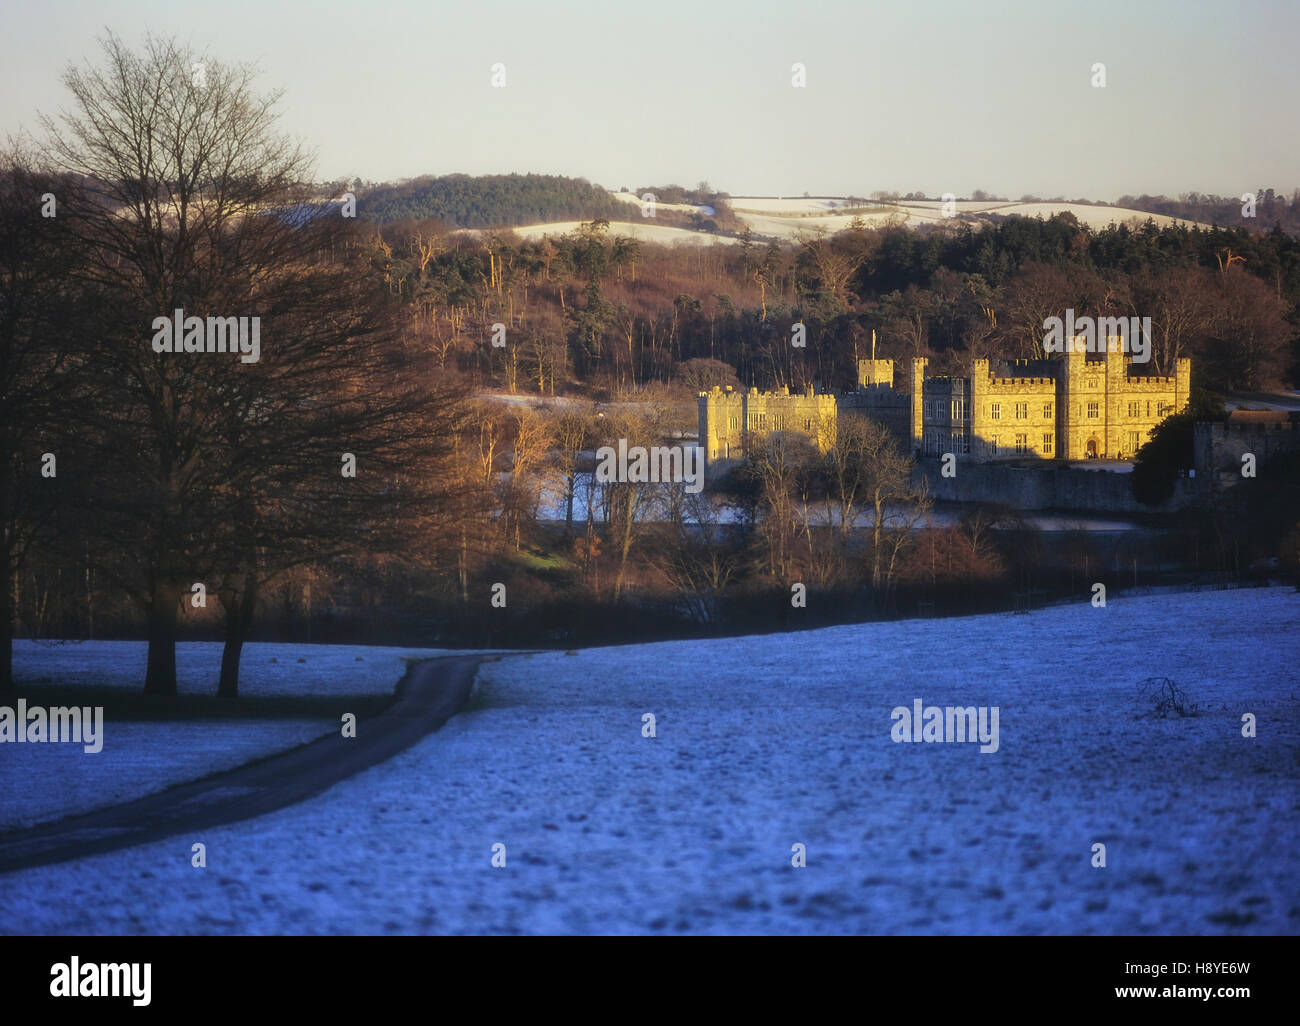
428	696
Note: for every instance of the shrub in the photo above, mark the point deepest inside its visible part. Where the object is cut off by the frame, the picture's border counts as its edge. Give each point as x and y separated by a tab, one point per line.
1165	697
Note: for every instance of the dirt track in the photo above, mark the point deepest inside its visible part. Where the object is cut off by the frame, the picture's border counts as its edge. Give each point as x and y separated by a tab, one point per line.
428	696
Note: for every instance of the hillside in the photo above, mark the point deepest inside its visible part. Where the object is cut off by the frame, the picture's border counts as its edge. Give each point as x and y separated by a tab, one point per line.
552	204
787	217
791	218
488	201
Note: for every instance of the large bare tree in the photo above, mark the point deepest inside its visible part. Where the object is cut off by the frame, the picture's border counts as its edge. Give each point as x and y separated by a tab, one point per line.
40	352
218	467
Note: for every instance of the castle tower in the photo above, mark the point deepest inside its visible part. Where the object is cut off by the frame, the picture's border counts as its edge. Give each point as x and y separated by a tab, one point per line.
1182	384
720	423
918	406
1072	401
977	414
1116	379
875	372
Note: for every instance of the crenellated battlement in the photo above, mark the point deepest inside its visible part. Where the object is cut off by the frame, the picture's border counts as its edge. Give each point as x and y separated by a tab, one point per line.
1018	382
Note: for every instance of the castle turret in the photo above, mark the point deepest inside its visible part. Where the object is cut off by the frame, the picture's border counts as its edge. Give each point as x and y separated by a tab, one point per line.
1116	376
1070	432
1182	384
977	409
918	406
872	373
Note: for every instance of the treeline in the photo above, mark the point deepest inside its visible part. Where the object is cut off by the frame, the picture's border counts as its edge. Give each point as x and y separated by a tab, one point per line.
1267	210
713	213
489	201
597	312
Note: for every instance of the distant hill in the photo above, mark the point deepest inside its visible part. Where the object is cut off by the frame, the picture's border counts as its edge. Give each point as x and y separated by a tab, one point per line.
543	201
489	201
1270	209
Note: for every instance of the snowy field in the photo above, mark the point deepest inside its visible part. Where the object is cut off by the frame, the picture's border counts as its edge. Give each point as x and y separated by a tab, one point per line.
789	216
771	741
798	218
647	231
139	757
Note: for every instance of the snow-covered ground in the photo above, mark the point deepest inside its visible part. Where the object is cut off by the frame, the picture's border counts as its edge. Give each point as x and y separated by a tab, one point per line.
644	231
635	199
788	217
772	741
798	218
141	756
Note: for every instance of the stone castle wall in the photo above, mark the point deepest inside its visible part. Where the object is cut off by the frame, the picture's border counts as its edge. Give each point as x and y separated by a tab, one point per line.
1070	408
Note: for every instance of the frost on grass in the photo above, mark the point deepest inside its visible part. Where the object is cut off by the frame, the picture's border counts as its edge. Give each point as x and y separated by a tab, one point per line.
770	741
41	782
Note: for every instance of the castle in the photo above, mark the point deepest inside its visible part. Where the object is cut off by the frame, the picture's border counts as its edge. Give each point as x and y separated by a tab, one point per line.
1070	408
728	419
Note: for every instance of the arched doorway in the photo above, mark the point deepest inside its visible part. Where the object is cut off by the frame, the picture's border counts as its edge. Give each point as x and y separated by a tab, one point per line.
1092	448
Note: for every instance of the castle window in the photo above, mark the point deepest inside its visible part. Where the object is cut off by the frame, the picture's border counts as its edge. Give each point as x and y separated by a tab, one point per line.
1047	411
1135	409
958	409
1133	442
1022	443
1148	407
995	411
762	421
1094	409
807	424
1164	409
1047	444
1022	411
993	446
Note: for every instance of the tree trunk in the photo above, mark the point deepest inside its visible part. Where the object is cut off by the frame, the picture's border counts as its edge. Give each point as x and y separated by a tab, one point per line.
239	618
7	639
160	675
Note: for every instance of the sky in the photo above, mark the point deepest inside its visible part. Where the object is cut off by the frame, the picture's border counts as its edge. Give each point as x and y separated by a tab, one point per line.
932	96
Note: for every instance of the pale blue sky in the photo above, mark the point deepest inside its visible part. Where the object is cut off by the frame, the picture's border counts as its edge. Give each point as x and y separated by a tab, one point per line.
928	95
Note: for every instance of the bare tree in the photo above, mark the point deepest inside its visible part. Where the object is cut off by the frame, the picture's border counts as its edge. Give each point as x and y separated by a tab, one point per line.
528	467
778	464
697	557
627	503
200	210
40	353
884	479
573	432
